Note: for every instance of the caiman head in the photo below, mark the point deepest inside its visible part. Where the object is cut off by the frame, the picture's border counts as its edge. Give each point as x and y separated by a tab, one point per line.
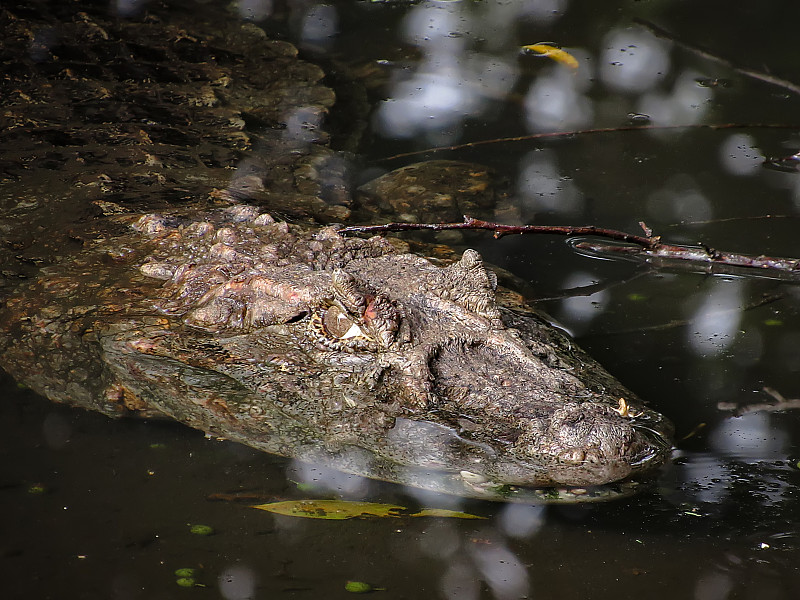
425	367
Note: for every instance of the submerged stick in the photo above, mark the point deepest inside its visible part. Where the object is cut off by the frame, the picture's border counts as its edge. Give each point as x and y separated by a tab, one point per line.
752	73
780	404
583	132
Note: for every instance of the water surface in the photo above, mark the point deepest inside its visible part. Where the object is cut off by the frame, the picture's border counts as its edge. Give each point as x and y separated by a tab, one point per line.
94	508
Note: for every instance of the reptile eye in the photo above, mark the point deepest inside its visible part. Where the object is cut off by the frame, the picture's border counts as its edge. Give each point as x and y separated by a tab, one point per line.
338	325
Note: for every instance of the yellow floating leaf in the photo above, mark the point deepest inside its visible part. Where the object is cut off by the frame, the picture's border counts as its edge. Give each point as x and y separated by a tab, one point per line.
345	509
444	512
331	509
557	54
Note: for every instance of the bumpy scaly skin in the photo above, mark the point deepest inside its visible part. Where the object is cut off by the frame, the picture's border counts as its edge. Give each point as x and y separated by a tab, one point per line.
175	105
344	352
341	351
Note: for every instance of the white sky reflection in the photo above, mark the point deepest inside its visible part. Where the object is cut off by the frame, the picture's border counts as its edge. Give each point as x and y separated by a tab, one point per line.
580	310
542	187
331	479
237	582
503	572
544	11
555	102
680	199
319	25
522	520
739	155
716	321
685	104
633	60
449	85
751	437
255	10
459	582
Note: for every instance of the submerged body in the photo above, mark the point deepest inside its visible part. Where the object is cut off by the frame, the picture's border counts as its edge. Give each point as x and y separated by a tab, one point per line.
339	351
345	352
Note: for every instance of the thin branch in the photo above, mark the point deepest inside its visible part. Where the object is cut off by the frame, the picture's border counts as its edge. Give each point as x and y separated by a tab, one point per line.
753	74
581	132
647	247
781	403
501	229
731	220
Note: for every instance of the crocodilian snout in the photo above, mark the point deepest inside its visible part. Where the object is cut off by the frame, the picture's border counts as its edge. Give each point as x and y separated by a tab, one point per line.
593	443
551	415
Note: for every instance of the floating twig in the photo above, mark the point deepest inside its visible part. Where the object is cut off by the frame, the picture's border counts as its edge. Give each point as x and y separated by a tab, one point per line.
501	229
648	247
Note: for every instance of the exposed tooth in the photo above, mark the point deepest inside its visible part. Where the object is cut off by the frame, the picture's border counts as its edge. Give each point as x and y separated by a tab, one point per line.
473	478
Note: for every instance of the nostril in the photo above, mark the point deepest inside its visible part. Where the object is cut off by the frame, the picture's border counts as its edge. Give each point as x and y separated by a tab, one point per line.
594	455
574	456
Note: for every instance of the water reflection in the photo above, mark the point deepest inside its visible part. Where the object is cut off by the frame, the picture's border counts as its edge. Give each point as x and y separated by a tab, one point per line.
686	103
752	437
740	155
468	61
633	60
713	585
458	582
542	187
237	582
326	480
557	100
481	557
501	569
788	356
580	310
716	320
56	430
521	520
255	10
319	24
679	199
739	476
449	84
130	8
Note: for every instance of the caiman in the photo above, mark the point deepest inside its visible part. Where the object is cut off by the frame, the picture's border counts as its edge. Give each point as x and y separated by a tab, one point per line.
341	351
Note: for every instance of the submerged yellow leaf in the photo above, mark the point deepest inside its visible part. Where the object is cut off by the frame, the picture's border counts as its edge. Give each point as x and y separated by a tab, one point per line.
345	509
557	54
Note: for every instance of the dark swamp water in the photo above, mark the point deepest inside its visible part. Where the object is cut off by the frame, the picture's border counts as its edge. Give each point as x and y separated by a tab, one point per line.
117	498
